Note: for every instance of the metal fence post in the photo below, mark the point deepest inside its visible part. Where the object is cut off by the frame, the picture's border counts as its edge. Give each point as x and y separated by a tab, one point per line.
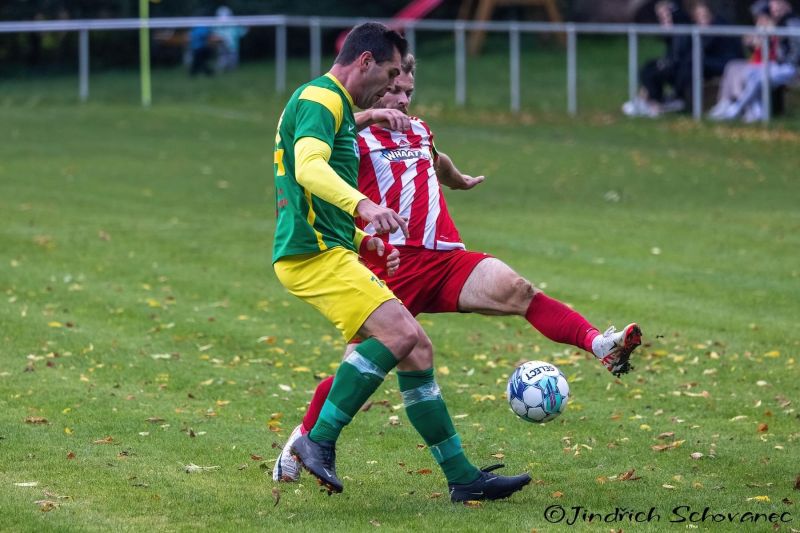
280	58
572	66
697	75
633	63
513	44
83	65
144	53
766	97
411	37
316	47
461	66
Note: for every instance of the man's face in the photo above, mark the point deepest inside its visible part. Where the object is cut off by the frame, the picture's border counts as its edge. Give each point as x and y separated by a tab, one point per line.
399	94
702	15
378	77
664	13
778	8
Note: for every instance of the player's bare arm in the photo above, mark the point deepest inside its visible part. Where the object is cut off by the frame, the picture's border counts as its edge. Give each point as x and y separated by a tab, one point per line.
449	175
392	119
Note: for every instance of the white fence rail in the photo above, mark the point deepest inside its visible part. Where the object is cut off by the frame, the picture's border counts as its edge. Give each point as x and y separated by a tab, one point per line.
459	29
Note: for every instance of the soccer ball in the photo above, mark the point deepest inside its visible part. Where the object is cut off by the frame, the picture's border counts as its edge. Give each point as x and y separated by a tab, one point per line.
537	391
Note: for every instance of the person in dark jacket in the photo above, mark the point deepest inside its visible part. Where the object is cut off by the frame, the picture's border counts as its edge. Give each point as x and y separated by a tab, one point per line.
658	74
717	51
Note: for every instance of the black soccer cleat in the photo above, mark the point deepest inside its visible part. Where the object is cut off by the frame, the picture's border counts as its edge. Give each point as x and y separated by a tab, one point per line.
319	458
488	486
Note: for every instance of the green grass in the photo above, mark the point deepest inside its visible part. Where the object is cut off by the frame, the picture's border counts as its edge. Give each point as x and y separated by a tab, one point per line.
134	267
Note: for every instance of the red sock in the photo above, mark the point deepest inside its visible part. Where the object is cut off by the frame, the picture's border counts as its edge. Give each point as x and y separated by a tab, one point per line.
312	414
559	323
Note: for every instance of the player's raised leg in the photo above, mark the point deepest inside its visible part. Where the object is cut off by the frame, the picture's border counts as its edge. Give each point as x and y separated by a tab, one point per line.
494	288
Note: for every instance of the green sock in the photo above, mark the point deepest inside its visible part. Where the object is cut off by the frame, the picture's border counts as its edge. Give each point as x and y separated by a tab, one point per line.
359	375
428	414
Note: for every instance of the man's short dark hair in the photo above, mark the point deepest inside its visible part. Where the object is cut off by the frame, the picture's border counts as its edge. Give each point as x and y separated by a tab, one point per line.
371	37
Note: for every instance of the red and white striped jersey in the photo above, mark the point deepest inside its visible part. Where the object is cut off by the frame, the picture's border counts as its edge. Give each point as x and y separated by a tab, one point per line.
397	171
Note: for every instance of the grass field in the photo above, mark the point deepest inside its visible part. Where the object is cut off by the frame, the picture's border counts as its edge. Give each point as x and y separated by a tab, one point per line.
144	332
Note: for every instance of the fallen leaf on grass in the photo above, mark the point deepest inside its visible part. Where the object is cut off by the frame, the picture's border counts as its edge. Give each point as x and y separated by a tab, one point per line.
375	523
797	483
435	495
667	435
787	501
155	420
762	427
737	418
276	495
764	499
255	457
192	468
105	440
472	503
498	455
663	447
46	505
783	401
670	487
424	471
55	496
557	494
629	475
71	455
696	455
367	406
26	484
36	420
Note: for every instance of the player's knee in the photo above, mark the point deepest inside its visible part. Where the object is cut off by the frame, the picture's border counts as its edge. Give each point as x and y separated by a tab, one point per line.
404	338
424	348
522	289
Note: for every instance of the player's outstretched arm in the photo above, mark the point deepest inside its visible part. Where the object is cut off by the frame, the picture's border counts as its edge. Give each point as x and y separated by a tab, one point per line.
315	174
392	119
449	175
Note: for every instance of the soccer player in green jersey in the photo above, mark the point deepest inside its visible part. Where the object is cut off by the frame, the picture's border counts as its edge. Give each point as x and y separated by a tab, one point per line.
315	256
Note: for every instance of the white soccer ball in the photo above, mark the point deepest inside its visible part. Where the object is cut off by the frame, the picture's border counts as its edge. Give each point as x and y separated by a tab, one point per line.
537	391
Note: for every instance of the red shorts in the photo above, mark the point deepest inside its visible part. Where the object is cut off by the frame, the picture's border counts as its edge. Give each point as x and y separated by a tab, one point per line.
430	281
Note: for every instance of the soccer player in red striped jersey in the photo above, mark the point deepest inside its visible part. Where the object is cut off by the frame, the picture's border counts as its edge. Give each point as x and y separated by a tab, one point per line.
400	168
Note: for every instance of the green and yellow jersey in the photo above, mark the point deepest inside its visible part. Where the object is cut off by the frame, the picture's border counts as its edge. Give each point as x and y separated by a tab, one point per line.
320	110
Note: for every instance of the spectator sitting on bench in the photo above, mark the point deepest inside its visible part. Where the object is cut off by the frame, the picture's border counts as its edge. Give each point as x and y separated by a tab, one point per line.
717	51
737	72
661	72
781	71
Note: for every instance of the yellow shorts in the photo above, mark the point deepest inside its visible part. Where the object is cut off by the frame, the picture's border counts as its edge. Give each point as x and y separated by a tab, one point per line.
337	284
